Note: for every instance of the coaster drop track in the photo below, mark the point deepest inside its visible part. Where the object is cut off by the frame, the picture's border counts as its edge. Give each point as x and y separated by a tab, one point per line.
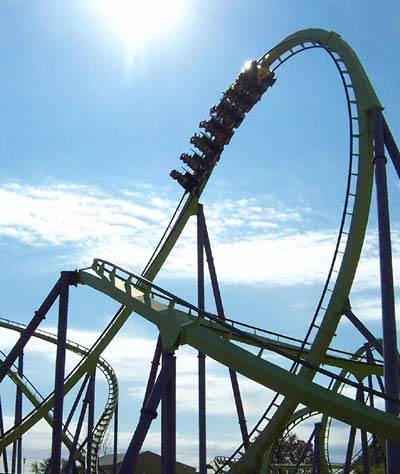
227	341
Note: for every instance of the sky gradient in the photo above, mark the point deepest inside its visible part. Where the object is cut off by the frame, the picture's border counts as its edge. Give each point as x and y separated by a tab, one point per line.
92	126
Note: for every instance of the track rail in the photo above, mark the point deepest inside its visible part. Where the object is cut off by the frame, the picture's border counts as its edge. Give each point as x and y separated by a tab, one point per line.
182	326
216	339
37	399
361	99
338	386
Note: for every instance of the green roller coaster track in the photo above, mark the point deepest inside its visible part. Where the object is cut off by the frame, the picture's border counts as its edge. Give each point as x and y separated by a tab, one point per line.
36	399
179	323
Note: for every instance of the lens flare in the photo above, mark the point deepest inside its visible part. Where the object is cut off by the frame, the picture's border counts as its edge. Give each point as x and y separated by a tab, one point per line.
134	21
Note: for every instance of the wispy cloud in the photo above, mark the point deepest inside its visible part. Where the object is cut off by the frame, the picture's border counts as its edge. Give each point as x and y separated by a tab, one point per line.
260	242
83	219
87	222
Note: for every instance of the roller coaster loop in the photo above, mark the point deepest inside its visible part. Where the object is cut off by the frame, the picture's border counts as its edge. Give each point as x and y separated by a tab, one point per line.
311	380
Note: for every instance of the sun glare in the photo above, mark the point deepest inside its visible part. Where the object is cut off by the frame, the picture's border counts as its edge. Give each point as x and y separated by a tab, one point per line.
136	20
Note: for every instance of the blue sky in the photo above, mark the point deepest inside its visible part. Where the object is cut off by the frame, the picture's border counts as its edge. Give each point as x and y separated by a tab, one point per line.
92	128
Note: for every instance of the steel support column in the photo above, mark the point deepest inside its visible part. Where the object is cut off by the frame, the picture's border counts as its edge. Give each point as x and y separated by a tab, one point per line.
352	436
40	314
387	288
76	402
201	356
115	450
391	147
371	360
317	449
153	371
168	419
364	331
304	452
350	449
4	452
90	425
71	460
221	313
148	413
55	461
364	440
17	445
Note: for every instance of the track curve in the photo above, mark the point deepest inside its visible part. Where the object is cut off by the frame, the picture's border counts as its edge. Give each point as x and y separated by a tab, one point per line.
208	334
361	99
36	399
350	243
179	327
326	421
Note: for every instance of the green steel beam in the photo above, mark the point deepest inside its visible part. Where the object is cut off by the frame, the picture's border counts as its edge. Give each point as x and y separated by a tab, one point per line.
86	365
358	368
78	349
366	100
177	328
35	401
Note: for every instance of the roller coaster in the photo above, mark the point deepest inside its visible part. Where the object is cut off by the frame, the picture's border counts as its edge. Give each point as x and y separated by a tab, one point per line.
309	380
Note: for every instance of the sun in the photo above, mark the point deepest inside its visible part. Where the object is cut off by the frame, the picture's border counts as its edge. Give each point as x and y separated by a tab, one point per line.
137	20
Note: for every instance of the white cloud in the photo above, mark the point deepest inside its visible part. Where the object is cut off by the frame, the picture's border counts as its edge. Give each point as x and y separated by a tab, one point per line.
367	308
282	260
258	242
92	221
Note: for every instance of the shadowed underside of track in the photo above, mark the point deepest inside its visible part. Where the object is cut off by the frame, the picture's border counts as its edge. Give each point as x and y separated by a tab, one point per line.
177	327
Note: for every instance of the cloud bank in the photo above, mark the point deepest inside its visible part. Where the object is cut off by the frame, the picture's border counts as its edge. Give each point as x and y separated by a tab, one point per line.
258	242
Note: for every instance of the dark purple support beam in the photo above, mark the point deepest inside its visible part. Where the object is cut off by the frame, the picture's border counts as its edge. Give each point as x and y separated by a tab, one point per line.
168	419
221	313
154	368
148	413
115	450
40	314
55	460
364	331
380	383
304	452
201	356
371	359
375	444
373	342
391	147
4	452
202	414
364	439
391	370
18	414
71	466
239	408
76	402
350	449
317	449
90	425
